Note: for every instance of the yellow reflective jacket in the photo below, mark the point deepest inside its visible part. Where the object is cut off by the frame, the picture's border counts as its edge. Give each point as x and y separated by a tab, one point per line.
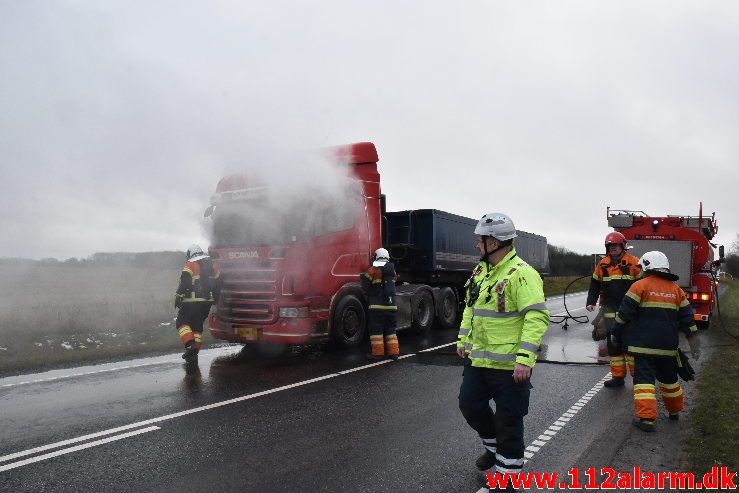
506	315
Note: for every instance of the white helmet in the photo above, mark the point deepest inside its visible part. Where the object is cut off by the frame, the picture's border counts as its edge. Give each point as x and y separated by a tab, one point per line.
656	261
382	257
195	251
497	225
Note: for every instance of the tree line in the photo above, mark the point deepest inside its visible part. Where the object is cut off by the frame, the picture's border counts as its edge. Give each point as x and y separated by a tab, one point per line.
565	263
166	260
562	262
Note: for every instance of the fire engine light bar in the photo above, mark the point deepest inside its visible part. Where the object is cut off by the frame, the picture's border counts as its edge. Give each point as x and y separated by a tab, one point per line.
294	312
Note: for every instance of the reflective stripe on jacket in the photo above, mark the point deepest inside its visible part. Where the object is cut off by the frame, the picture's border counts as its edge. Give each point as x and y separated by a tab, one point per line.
198	281
505	323
612	280
657	308
378	284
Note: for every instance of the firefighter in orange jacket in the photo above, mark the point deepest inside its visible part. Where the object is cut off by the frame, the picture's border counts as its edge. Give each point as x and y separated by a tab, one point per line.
657	308
197	291
611	279
378	284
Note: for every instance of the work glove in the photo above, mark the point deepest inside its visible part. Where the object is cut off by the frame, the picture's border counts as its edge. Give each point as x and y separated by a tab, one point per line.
600	328
695	348
614	338
684	368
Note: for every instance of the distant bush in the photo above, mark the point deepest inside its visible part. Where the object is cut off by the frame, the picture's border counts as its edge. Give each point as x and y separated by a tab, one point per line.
144	260
563	262
732	259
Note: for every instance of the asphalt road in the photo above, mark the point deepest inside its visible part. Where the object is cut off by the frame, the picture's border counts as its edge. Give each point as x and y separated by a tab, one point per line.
312	421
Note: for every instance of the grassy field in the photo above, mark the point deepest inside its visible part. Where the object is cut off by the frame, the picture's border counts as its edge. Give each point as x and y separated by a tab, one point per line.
715	432
54	316
557	285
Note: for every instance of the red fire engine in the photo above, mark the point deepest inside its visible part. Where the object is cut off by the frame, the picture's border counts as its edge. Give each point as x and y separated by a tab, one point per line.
686	240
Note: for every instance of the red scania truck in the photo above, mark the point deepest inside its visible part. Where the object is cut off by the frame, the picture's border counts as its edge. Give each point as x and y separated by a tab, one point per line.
290	269
686	240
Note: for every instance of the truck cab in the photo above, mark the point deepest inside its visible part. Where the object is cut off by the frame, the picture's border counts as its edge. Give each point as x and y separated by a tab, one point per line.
288	262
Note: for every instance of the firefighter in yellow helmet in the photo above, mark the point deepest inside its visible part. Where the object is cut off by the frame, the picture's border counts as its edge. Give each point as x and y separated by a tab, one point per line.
500	333
378	284
657	308
197	291
611	279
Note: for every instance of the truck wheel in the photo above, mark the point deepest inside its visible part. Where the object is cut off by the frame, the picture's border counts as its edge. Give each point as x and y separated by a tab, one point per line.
348	323
447	308
422	305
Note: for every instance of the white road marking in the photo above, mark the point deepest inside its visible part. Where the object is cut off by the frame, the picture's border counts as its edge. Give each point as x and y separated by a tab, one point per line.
39	458
82	374
159	419
558	424
158	361
531	449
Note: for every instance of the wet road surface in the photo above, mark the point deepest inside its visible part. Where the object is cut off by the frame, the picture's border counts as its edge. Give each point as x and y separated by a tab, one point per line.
310	421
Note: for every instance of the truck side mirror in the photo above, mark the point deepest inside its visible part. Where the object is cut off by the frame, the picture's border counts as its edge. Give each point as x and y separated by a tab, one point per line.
209	211
721	252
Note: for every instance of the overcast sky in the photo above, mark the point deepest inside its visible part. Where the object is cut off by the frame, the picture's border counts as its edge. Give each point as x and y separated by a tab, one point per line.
118	117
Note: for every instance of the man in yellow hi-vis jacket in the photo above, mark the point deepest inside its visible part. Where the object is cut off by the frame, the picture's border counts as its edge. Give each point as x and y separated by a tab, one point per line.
501	330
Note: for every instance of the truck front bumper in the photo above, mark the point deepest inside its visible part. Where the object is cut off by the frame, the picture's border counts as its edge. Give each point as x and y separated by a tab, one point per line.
287	331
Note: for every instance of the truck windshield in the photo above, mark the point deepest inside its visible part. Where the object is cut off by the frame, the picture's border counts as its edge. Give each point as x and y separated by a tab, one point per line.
254	223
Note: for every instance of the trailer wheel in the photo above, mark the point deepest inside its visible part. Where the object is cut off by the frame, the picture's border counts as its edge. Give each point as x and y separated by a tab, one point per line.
348	323
447	308
422	305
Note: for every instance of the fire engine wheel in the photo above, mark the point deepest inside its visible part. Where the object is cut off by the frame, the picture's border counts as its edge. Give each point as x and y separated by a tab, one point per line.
349	321
422	305
448	308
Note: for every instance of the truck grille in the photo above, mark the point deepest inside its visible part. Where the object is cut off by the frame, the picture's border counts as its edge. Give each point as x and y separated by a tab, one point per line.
248	292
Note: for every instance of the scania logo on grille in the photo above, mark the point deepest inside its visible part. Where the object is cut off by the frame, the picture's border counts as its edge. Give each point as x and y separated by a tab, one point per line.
235	255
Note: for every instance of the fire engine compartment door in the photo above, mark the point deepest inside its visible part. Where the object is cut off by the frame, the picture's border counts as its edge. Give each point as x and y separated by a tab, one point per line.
679	253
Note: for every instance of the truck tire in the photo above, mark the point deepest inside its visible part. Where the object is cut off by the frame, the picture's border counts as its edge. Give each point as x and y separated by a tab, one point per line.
447	308
348	322
422	311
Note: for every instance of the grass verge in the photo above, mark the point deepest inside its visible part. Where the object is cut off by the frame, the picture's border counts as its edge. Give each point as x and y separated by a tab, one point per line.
714	434
558	285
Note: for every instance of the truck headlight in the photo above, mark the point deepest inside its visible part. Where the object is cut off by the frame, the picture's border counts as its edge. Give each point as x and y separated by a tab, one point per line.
294	312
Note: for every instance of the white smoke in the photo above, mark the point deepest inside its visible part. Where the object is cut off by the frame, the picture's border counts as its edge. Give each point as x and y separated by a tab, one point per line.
286	196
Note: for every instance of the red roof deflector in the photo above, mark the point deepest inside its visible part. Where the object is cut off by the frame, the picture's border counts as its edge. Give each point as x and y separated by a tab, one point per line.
360	152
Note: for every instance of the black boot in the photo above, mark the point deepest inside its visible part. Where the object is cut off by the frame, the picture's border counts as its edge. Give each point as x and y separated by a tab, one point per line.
191	352
485	461
644	424
614	382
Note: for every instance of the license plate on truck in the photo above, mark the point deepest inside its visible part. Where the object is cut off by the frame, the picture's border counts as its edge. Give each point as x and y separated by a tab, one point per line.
247	332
